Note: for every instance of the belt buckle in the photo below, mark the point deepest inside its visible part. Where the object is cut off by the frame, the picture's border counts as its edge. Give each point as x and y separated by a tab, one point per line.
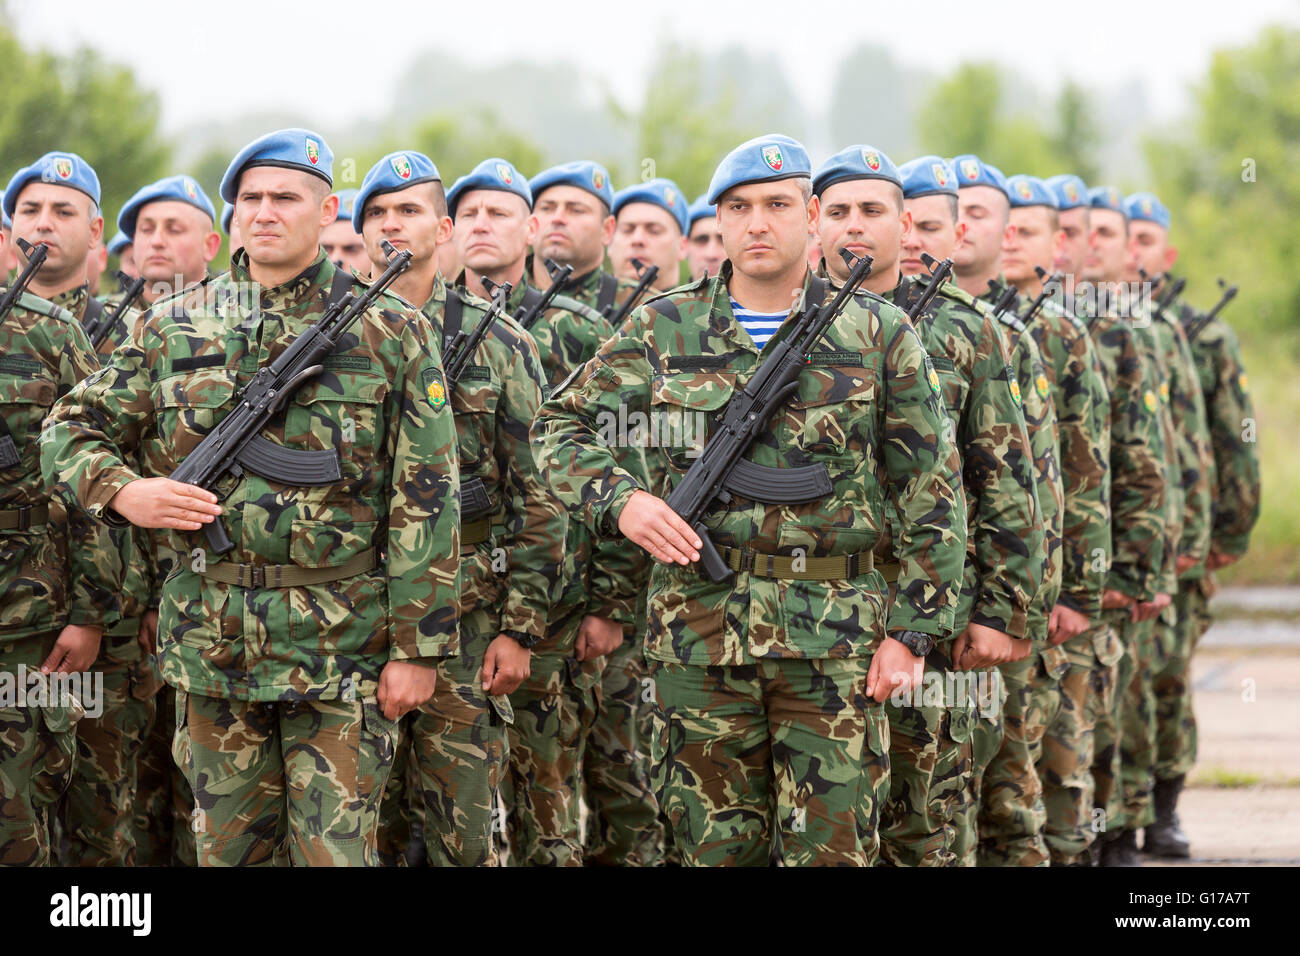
851	566
256	576
24	517
746	560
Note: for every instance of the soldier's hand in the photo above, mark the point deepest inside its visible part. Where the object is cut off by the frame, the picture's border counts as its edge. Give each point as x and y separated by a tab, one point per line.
506	665
148	636
74	651
597	636
1065	623
1184	563
649	522
1218	559
894	669
1021	647
1110	598
163	503
978	647
404	686
1147	610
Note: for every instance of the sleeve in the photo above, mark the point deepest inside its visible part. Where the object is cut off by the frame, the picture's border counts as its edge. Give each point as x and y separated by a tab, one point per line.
1040	422
423	545
1234	432
1195	460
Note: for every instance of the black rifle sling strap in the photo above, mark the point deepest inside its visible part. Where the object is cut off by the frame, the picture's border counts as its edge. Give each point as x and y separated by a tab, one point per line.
608	292
94	311
451	319
526	305
339	287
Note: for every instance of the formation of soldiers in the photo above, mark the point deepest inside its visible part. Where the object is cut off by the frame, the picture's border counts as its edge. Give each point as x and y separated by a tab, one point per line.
485	636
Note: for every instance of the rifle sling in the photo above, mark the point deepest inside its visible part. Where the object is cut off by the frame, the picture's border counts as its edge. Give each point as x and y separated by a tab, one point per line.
606	295
94	312
526	305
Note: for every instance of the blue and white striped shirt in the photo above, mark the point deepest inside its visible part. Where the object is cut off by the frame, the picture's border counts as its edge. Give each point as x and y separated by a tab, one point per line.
761	326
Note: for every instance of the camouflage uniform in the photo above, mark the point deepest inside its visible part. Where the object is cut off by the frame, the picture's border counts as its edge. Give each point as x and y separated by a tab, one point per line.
96	812
278	728
509	569
761	681
164	801
1137	525
556	707
56	569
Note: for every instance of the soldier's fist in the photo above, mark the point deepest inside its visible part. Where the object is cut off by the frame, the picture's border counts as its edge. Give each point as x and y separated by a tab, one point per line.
597	636
404	686
506	665
1065	623
894	669
649	522
75	650
978	647
163	503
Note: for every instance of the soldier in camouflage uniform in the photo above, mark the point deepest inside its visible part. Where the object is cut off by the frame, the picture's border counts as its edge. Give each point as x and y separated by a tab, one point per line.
511	550
770	691
55	201
704	252
297	654
929	749
1174	639
58	581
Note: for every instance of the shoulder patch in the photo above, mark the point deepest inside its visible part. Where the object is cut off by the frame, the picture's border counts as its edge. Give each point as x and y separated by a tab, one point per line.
1013	385
932	377
1041	385
435	390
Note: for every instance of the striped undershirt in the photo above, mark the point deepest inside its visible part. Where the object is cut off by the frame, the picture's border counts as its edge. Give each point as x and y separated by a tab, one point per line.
761	326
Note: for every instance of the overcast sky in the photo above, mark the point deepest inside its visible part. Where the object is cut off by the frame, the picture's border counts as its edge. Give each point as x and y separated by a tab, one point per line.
227	57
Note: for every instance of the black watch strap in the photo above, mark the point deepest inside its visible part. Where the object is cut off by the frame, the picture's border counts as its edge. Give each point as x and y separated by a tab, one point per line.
523	639
918	643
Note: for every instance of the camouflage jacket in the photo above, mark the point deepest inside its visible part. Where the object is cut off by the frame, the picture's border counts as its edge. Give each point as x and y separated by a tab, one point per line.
1137	463
1233	431
61	570
1083	453
381	403
1152	355
78	300
602	576
494	403
867	407
593	289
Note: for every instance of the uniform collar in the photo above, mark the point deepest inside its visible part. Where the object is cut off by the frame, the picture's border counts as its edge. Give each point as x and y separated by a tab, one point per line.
319	273
74	300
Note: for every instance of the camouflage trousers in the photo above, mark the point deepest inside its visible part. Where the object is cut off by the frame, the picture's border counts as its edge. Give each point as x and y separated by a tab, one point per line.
38	749
455	749
770	760
1124	751
164	802
929	768
291	780
623	823
95	814
1171	682
555	710
1066	759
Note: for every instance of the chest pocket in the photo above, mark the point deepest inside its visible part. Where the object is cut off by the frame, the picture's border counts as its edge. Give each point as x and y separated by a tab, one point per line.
683	407
474	403
189	404
342	411
832	412
24	402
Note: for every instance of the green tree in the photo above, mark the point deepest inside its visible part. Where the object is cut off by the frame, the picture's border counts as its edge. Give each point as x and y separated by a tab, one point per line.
1076	133
961	113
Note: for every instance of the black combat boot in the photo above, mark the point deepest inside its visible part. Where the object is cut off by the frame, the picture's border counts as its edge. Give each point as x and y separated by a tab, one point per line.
1121	850
1165	837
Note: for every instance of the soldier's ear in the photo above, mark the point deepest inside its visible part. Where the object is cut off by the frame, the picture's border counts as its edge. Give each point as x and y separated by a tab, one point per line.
211	246
814	213
96	230
607	231
1171	256
905	220
329	210
531	229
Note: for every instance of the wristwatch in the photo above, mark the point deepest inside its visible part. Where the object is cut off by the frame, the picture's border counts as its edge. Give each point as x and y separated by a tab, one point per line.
916	642
524	640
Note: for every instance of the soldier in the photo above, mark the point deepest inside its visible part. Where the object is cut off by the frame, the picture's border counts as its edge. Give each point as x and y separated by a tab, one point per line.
704	252
171	227
650	223
984	211
297	654
96	263
339	239
55	201
770	692
867	207
120	246
572	203
511	549
57	591
1173	641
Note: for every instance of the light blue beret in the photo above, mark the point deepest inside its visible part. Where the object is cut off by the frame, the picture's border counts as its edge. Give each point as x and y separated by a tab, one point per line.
1071	191
760	160
62	169
856	162
928	176
4	216
227	212
172	189
347	203
1146	207
495	173
701	209
1030	191
119	242
658	192
582	173
290	148
973	171
394	172
1106	197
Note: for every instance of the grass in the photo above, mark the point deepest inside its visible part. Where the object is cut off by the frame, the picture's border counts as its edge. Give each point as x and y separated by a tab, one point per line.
1224	778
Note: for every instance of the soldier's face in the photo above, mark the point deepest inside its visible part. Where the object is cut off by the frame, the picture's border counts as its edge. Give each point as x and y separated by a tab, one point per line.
704	252
765	227
574	227
935	231
983	210
409	219
866	217
1074	241
281	213
126	262
1032	243
1149	249
647	232
58	218
96	263
343	246
173	239
1107	247
493	230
